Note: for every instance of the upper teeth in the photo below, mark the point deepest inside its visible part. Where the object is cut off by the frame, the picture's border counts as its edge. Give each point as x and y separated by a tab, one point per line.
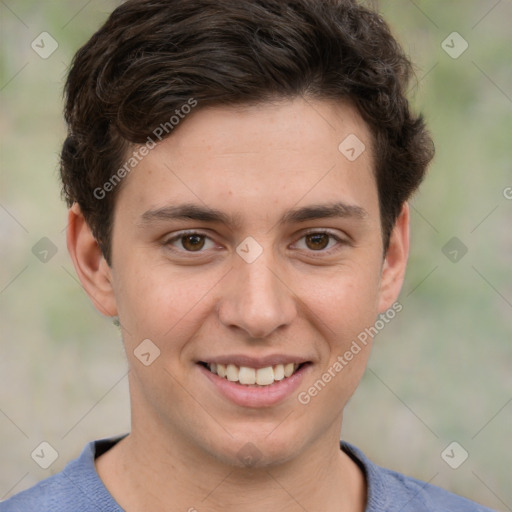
245	375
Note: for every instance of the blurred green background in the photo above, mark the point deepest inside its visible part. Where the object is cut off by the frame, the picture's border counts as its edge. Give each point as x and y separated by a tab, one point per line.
440	372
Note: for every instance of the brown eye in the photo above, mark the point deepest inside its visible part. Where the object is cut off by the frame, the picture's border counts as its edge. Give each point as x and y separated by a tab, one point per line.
193	242
189	242
317	241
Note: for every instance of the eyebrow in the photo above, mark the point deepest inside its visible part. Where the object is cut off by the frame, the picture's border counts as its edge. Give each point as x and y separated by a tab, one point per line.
190	211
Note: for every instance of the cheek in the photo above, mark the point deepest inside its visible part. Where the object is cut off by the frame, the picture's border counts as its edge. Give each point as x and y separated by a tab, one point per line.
345	302
159	304
342	310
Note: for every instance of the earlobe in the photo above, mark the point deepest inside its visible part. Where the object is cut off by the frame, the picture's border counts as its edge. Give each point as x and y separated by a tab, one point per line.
395	262
90	264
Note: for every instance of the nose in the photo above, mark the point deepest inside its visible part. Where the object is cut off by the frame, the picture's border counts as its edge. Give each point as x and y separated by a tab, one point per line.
256	298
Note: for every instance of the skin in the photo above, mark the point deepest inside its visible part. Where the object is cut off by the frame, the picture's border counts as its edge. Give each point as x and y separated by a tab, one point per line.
256	162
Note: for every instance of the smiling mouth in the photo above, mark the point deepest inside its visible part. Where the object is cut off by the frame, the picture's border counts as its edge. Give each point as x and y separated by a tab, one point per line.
253	376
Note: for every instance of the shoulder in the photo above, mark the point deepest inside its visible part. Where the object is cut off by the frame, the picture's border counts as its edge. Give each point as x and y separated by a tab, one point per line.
394	492
55	494
76	488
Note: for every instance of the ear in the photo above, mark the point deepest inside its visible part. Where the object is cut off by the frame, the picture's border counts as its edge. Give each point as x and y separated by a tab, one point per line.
395	262
90	264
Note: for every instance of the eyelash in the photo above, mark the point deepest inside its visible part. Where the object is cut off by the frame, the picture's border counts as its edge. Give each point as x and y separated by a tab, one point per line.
340	241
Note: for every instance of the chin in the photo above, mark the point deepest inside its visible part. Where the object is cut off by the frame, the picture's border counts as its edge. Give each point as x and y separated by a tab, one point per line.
260	450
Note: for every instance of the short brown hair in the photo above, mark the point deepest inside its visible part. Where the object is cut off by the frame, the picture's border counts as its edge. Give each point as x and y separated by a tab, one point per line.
152	56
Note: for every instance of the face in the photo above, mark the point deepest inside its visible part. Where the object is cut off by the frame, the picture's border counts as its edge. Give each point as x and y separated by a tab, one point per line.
248	244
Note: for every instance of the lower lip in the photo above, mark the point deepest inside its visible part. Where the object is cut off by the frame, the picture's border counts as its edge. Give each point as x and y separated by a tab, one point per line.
256	396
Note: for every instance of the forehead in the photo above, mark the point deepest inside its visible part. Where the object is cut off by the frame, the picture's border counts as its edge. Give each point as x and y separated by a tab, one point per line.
301	125
259	157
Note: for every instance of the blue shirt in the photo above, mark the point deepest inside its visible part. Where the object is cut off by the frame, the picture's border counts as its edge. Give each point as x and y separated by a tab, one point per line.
78	488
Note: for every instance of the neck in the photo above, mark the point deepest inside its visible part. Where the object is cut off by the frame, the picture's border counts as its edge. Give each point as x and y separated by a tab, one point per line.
150	472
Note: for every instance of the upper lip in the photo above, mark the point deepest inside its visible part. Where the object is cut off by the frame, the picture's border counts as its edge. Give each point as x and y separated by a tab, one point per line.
255	362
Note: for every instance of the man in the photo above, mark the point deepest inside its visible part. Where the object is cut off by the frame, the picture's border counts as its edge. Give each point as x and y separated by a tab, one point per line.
237	173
